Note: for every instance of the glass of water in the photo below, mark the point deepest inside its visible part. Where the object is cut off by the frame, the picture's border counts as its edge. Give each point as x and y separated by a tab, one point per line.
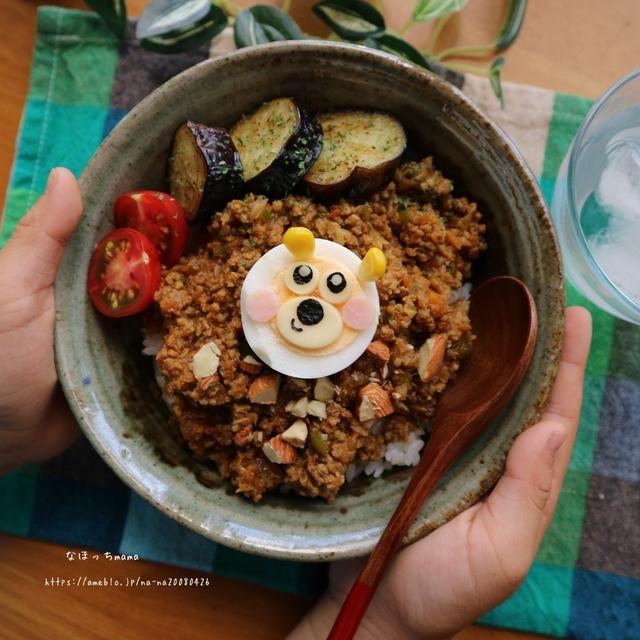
596	202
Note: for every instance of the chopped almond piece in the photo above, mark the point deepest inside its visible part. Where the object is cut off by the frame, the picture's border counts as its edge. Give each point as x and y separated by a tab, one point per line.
324	390
279	451
374	403
206	360
244	436
317	409
205	383
296	434
297	408
264	390
299	382
379	351
431	356
249	364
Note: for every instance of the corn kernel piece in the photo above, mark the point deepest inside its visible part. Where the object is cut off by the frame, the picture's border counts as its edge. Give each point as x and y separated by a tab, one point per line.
300	241
373	266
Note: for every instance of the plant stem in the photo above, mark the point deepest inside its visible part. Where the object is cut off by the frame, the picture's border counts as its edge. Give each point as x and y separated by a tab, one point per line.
435	35
228	7
472	51
407	25
467	68
286	5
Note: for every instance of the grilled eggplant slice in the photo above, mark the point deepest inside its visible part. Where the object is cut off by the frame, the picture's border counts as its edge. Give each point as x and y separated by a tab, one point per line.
360	151
205	170
277	144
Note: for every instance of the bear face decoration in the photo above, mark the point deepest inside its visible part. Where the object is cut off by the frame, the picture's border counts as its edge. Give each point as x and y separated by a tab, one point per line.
310	307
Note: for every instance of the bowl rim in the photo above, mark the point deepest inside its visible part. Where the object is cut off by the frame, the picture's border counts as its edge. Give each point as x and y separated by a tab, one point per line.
411	72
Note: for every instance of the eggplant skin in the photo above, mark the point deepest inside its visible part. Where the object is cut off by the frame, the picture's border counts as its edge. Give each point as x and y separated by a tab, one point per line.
361	151
205	170
299	151
358	183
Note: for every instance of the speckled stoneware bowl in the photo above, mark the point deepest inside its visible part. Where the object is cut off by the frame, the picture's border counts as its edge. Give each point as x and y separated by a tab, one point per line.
110	385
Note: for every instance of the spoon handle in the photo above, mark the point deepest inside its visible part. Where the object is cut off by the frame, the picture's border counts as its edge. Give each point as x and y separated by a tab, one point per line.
430	469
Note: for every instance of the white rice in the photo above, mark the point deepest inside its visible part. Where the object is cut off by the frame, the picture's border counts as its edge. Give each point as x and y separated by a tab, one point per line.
397	454
405	454
151	342
377	468
462	293
354	470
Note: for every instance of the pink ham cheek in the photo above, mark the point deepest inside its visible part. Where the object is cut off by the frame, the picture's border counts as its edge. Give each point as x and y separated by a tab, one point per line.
359	313
262	305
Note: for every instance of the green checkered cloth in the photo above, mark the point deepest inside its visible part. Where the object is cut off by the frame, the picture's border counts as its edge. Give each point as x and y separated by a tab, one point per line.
585	582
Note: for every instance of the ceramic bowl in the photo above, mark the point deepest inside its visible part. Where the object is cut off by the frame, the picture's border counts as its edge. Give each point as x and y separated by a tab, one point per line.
110	385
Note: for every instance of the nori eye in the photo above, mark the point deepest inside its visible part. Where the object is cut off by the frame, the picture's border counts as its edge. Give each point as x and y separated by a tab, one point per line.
310	312
336	282
302	274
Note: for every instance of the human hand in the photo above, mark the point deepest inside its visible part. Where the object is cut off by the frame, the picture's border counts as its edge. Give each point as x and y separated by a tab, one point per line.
35	420
445	581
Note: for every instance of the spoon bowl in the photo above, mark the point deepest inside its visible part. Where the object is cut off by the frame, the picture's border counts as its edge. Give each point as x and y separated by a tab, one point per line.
504	318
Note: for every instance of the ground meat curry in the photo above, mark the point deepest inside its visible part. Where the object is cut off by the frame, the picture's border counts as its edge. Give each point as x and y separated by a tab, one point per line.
430	238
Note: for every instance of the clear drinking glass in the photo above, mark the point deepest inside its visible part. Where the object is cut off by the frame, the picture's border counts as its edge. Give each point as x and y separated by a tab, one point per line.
596	202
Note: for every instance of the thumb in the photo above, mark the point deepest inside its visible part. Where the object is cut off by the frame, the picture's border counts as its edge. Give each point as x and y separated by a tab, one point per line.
33	253
519	508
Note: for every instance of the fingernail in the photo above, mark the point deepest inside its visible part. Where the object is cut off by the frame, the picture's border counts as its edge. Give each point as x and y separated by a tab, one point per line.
51	180
555	441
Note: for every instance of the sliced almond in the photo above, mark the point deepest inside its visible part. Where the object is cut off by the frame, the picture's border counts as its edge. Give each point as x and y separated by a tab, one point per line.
374	403
431	356
249	364
317	409
244	436
324	390
299	382
296	434
264	390
380	352
297	408
206	360
279	451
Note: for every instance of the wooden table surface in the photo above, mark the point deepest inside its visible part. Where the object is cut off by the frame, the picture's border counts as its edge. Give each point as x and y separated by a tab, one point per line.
577	46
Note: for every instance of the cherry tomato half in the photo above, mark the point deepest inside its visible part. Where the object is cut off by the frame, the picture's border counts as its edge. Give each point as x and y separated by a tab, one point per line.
159	217
124	273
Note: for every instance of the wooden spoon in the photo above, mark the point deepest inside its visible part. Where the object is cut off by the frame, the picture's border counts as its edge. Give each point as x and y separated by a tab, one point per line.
504	319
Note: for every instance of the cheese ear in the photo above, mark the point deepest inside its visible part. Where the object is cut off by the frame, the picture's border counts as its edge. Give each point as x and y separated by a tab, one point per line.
300	242
373	265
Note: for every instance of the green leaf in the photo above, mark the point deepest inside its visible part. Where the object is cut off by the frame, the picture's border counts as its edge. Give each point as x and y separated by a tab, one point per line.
432	9
494	78
512	24
113	13
352	20
262	24
399	47
191	37
372	43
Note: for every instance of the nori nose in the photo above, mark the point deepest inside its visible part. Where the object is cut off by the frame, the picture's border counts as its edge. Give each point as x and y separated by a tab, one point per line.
310	312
